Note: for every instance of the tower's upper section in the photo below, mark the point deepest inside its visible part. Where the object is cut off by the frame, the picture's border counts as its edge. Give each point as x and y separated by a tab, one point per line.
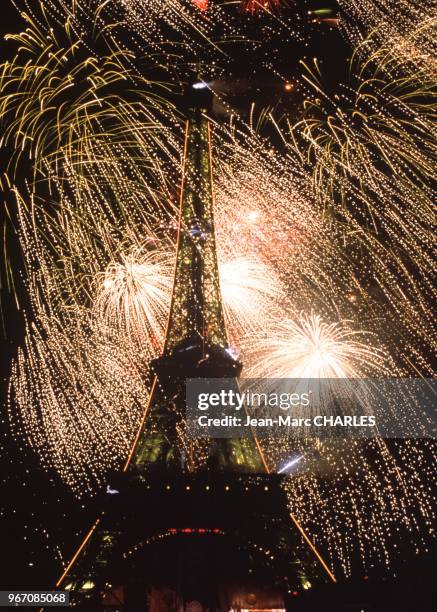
196	308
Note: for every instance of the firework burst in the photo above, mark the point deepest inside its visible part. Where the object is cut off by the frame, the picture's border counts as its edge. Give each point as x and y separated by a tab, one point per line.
311	348
202	5
133	295
250	292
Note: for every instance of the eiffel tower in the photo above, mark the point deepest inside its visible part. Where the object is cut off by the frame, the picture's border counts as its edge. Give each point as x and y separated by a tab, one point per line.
191	525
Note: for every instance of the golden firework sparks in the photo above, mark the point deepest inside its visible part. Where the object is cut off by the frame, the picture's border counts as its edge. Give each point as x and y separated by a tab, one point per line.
97	261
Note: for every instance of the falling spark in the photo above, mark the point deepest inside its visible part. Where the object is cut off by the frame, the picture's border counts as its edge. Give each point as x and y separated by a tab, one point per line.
404	30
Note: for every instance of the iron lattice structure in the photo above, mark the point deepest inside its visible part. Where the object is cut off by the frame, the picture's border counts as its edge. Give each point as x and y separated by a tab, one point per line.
196	307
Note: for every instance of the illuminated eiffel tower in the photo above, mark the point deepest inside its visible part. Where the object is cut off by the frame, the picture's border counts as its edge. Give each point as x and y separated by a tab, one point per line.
191	525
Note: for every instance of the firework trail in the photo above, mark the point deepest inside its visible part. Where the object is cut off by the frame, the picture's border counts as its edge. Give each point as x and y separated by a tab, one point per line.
60	93
406	30
376	493
96	134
